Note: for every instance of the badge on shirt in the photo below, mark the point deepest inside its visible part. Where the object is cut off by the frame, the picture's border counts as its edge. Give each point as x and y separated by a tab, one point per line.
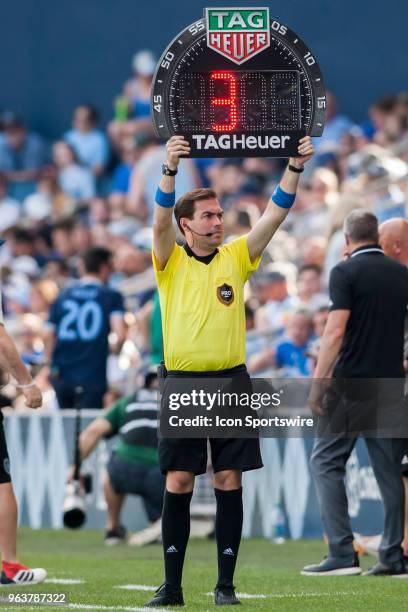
225	294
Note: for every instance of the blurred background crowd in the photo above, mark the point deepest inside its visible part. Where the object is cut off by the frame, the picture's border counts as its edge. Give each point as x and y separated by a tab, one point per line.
95	186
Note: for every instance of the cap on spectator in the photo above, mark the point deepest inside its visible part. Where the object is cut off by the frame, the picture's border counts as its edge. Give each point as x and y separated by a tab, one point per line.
144	63
269	277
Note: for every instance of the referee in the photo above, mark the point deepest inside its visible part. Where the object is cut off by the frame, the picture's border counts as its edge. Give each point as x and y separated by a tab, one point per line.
202	302
364	338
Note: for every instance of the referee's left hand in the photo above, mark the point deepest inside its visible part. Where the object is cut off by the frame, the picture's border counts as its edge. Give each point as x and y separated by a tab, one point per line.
33	397
305	150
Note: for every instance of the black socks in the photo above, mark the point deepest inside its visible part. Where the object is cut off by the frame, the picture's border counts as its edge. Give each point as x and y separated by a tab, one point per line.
176	531
175	534
228	528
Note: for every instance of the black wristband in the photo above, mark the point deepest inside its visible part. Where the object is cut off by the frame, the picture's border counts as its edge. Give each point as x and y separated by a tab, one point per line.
168	171
294	169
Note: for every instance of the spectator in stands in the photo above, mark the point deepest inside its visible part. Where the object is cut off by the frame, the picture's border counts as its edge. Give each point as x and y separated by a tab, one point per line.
138	88
312	219
143	181
312	251
150	328
319	324
336	245
79	325
335	127
90	144
133	466
48	202
22	153
57	270
62	240
43	293
132	110
255	341
309	288
75	180
278	304
291	353
10	209
129	154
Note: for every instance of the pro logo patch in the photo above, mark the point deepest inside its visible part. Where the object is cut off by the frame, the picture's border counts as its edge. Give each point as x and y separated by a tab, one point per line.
225	294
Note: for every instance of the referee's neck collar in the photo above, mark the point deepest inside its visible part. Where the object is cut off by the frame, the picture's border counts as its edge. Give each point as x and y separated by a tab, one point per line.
206	259
367	248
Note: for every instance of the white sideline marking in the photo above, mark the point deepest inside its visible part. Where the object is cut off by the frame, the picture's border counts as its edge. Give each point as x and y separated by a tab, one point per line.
136	587
100	607
245	595
311	594
64	581
287	595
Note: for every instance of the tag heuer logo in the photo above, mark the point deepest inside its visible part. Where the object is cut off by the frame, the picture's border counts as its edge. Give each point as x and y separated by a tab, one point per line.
225	294
238	33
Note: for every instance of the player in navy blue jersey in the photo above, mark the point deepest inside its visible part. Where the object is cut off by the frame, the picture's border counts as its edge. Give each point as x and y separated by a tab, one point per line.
80	321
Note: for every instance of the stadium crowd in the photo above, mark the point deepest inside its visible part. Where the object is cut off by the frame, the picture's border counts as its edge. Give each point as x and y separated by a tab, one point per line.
95	186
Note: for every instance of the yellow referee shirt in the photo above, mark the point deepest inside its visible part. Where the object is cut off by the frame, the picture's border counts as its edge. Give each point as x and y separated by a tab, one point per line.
202	307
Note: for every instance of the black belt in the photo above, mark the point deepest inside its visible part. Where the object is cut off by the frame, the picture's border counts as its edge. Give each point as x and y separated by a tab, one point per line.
239	369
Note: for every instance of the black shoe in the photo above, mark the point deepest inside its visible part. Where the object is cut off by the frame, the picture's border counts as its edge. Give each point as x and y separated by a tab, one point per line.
116	536
333	567
225	596
398	570
166	595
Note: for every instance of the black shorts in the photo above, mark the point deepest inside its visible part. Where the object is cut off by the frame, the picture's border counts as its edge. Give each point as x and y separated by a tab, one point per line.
190	454
4	458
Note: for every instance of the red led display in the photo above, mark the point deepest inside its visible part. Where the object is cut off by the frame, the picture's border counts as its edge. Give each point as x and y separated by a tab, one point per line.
230	101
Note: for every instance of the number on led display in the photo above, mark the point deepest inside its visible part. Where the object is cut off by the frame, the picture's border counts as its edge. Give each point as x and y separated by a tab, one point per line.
230	103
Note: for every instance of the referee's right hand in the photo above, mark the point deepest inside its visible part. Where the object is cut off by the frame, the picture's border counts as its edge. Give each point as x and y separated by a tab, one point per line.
176	147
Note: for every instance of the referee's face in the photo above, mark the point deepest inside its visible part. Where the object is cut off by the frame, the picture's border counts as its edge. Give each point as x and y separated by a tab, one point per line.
208	221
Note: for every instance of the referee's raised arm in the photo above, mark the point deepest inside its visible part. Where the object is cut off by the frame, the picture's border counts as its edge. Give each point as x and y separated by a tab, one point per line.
281	201
164	234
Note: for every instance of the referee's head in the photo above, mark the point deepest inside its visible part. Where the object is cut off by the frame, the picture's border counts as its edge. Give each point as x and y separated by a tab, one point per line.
200	218
360	228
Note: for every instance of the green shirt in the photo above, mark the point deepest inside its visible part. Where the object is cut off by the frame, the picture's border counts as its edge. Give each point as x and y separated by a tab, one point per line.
138	444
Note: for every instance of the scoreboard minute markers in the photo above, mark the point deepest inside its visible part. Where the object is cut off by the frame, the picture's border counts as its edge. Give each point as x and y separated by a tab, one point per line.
240	84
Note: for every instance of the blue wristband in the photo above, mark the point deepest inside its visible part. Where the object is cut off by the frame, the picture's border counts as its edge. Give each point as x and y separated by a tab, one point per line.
283	199
167	200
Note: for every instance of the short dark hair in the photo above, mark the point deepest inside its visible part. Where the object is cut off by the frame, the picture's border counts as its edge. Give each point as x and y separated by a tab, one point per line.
385	104
93	113
310	267
22	235
94	258
185	206
361	226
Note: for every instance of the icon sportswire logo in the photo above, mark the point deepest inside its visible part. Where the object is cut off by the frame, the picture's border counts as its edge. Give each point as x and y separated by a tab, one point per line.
238	33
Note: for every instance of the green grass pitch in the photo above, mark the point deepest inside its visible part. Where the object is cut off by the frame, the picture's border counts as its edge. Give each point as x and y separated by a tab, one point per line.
263	569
